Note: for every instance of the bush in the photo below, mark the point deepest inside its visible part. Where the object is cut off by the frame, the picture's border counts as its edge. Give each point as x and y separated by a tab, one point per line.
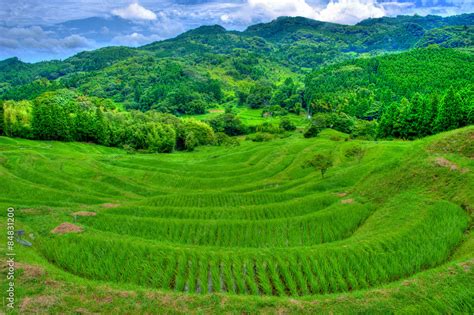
364	129
228	123
260	137
340	122
190	142
160	137
224	140
202	134
312	131
16	119
287	125
267	127
274	111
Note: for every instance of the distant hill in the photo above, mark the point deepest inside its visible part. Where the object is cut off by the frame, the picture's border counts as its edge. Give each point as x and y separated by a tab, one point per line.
225	65
389	78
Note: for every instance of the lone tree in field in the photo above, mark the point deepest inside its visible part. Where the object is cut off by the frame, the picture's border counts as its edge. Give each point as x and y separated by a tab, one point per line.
320	162
356	152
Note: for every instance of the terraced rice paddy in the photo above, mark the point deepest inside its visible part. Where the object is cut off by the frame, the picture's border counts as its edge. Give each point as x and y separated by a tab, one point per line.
249	220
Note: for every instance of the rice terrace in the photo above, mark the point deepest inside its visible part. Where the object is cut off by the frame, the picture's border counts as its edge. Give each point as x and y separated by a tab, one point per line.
254	171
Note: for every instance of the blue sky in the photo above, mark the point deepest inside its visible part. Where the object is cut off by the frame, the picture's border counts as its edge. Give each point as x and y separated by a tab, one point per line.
35	30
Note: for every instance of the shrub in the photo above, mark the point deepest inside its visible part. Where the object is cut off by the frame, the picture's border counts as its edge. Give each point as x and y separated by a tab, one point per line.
224	140
287	125
160	137
267	127
312	131
340	122
260	137
190	141
274	111
17	119
365	129
202	134
228	123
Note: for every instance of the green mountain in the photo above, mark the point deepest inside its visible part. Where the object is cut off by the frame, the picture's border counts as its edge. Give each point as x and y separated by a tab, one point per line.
287	65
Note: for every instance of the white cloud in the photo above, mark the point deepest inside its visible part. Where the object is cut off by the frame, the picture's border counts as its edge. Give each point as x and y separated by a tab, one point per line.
135	39
37	38
339	11
135	12
34	43
351	11
276	8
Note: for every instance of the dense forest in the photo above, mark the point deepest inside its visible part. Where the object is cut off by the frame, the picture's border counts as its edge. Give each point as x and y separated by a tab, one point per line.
404	77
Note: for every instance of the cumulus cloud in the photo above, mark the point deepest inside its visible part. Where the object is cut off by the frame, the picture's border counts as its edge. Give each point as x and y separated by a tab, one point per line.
276	8
35	41
36	37
339	11
351	11
135	39
135	12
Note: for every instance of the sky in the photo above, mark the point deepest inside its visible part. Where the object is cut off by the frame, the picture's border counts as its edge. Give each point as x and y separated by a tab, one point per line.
36	30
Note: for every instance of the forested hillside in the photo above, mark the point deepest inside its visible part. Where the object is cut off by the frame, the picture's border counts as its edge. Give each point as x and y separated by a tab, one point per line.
361	79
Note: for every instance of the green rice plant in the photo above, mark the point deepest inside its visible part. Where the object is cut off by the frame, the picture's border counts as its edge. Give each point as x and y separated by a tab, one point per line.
239	275
193	265
309	277
203	275
226	271
215	276
264	284
251	277
182	273
274	278
287	277
247	221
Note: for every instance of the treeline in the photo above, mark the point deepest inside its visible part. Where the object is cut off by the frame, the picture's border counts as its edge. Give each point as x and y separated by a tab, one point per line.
273	100
64	115
421	116
426	115
364	87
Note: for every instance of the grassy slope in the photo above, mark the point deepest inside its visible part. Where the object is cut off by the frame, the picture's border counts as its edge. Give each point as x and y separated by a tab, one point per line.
46	181
253	117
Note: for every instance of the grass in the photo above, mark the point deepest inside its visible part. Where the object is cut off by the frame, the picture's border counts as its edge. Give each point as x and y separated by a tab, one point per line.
245	229
253	117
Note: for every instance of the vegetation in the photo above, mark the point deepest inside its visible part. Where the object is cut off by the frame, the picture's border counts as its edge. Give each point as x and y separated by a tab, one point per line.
235	218
253	222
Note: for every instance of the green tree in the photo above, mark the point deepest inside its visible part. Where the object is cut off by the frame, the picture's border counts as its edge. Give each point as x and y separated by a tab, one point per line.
17	119
228	123
53	116
202	134
429	115
2	118
312	131
287	125
320	162
260	94
387	121
160	138
400	120
356	152
413	119
190	141
450	115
